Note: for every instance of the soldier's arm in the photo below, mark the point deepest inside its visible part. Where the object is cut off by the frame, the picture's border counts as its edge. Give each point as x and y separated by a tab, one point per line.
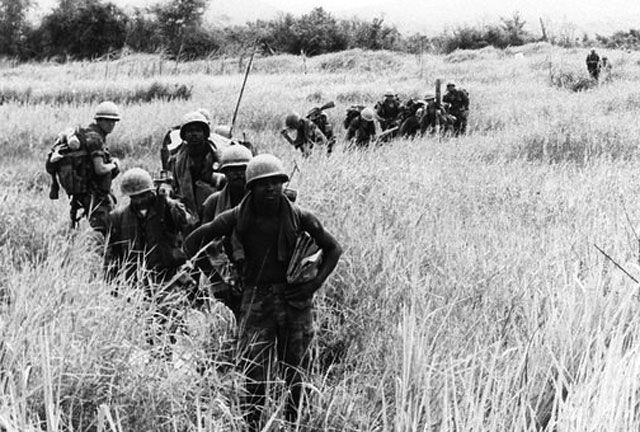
221	226
351	131
331	249
95	148
209	208
180	216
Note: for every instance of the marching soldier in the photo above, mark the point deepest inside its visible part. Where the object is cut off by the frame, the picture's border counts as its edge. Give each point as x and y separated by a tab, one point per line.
593	64
233	164
98	200
194	165
458	101
362	129
276	317
388	110
307	133
144	241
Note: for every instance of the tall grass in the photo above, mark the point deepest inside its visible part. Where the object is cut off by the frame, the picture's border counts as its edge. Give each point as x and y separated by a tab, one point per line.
470	296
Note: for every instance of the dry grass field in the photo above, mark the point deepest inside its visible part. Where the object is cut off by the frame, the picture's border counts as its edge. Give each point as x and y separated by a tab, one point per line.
470	296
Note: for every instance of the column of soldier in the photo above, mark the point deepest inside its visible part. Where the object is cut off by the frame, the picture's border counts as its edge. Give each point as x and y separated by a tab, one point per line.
219	219
389	118
221	215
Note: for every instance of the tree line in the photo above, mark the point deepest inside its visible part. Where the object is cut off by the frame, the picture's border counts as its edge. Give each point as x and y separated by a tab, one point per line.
82	29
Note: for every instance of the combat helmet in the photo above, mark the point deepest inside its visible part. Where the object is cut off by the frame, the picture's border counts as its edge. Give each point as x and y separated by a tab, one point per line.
292	120
263	166
235	155
107	110
389	92
367	114
195	117
136	181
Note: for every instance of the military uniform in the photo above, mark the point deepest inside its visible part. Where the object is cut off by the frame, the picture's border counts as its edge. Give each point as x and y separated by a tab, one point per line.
194	177
388	111
307	136
593	64
361	131
98	201
150	246
459	108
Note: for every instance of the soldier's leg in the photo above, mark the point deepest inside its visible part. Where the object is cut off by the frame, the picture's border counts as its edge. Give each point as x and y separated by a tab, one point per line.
255	353
293	350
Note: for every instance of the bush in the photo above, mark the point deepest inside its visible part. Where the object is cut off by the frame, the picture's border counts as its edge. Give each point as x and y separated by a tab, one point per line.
571	80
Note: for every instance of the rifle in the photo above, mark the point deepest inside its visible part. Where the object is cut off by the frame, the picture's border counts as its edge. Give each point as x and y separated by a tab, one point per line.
244	83
317	110
438	103
385	134
616	264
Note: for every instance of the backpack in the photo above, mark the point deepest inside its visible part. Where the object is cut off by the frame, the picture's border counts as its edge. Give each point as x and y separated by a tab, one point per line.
68	164
352	112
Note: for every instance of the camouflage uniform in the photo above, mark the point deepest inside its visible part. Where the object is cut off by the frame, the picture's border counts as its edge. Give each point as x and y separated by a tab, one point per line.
98	201
270	326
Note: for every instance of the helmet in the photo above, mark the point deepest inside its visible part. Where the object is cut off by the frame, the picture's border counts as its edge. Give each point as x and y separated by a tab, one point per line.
429	97
235	155
107	110
389	92
292	120
223	130
195	117
367	114
263	166
206	113
136	181
450	85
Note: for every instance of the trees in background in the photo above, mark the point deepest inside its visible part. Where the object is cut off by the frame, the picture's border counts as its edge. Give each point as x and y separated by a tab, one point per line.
91	28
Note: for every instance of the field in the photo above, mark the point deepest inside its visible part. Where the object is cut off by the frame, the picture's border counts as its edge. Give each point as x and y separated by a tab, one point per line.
470	296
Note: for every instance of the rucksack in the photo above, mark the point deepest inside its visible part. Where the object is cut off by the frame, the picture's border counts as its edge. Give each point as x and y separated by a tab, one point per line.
68	164
352	112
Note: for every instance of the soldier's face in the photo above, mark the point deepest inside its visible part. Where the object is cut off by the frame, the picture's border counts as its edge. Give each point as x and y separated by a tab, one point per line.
235	176
143	202
106	125
194	133
267	192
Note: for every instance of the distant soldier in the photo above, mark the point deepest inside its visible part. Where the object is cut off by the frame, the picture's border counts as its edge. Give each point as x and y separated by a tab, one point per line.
307	133
80	160
195	163
320	119
233	164
362	129
276	313
606	68
593	64
458	101
144	240
412	112
388	110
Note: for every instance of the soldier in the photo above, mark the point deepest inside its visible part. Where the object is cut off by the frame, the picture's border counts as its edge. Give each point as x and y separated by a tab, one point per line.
172	141
388	110
458	101
362	129
319	118
195	163
606	69
307	133
593	64
144	240
233	163
98	201
276	317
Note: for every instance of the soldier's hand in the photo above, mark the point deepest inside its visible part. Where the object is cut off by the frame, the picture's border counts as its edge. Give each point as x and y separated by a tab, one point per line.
301	291
116	167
